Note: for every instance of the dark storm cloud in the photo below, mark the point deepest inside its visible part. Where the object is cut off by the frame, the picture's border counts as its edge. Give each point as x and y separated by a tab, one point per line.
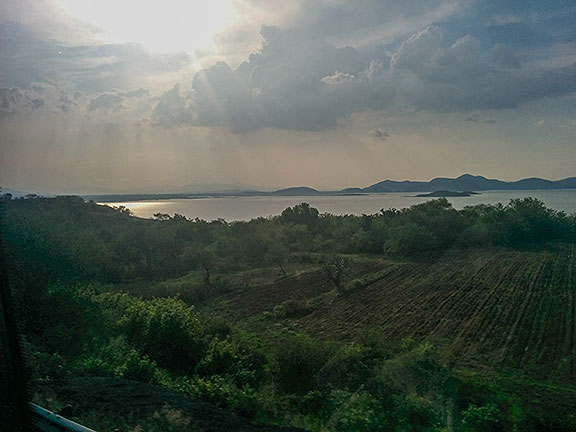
172	108
37	97
280	86
14	101
331	60
458	78
300	84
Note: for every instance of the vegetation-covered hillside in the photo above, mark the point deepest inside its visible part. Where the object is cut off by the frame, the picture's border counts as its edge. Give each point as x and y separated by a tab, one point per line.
423	319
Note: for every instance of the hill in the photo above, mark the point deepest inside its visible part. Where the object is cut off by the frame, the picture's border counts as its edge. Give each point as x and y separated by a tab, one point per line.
494	307
297	191
322	322
468	182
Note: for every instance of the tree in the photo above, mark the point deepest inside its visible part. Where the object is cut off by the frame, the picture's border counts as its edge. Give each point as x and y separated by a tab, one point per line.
409	239
335	269
162	216
300	214
276	255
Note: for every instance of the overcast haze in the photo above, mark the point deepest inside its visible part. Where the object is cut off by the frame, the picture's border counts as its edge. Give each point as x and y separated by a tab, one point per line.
142	96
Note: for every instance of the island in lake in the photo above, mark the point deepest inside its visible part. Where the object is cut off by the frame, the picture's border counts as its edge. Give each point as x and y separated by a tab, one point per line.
447	193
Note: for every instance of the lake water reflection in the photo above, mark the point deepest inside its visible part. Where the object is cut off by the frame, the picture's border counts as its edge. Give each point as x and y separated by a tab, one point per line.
246	208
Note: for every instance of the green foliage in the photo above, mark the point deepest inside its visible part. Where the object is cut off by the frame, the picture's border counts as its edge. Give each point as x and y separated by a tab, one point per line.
290	309
295	362
410	239
221	391
349	368
45	366
237	360
66	239
167	330
336	269
300	214
481	419
413	413
118	358
67	257
358	411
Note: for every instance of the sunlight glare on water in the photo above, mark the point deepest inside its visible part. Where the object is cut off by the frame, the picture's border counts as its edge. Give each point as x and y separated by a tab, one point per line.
246	208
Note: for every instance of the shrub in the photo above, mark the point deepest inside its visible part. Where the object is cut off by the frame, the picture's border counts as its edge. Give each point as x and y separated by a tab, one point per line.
417	414
290	309
235	359
481	418
295	363
166	330
357	411
221	391
117	358
45	366
349	368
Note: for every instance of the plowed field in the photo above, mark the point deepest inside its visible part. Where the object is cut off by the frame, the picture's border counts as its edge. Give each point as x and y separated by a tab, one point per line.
506	308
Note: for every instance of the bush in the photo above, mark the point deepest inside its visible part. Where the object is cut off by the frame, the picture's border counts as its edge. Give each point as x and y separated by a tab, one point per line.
290	309
235	359
357	411
166	330
349	368
221	391
481	418
117	358
417	414
44	366
295	363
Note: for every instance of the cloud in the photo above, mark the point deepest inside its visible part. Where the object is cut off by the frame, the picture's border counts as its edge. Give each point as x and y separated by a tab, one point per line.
379	133
114	100
502	20
503	57
37	97
476	119
26	57
172	108
43	99
458	79
328	61
291	83
358	23
285	85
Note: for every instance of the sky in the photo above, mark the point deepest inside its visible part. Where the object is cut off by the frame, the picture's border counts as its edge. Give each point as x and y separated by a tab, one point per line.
114	96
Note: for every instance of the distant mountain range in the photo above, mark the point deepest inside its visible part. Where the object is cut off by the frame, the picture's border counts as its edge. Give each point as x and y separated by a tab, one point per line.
465	183
441	186
469	182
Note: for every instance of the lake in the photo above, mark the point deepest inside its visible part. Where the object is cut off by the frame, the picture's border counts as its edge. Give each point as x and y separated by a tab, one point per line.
246	208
